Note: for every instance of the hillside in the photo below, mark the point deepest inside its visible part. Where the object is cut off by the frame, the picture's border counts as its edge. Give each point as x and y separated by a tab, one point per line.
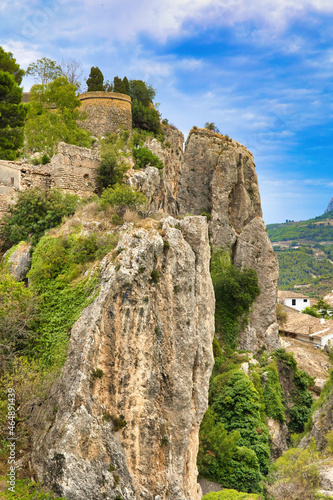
305	253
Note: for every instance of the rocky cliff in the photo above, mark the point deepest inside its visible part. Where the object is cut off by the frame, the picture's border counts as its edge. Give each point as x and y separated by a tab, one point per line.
125	416
218	177
329	206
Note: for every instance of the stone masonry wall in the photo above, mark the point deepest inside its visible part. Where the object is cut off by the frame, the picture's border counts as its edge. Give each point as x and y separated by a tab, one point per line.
106	112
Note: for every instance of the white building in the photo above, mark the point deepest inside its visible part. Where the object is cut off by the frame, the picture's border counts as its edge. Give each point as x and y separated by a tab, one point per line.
308	329
292	299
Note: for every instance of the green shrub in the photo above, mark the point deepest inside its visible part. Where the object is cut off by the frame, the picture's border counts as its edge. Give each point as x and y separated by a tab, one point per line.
155	276
295	474
110	172
18	314
36	211
238	408
122	196
230	495
273	393
295	385
144	117
28	490
144	156
235	292
57	277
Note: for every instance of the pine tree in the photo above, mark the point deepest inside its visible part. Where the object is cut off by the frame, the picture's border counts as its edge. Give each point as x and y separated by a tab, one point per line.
12	116
95	80
9	64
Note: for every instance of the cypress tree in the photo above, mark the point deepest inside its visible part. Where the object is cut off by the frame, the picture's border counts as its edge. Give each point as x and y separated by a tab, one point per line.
95	80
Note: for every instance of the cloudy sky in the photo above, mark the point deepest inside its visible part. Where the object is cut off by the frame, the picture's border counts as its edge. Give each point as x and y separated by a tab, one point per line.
262	70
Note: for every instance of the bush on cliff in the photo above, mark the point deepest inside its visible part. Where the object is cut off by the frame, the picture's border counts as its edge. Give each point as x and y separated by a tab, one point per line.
235	292
18	313
110	171
144	157
230	495
36	211
122	196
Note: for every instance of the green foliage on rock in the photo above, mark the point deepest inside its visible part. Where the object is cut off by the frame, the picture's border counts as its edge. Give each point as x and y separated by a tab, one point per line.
235	292
36	211
295	384
64	289
238	407
28	490
227	494
18	314
273	394
53	116
122	196
95	80
12	116
110	171
144	156
295	475
144	117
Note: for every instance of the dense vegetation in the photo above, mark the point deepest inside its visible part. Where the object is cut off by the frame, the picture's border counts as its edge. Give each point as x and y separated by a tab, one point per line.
235	291
306	253
234	445
12	111
36	211
315	230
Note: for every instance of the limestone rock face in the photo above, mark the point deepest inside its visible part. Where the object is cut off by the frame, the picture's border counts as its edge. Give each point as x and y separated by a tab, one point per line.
254	250
140	354
161	187
18	263
322	422
218	177
279	437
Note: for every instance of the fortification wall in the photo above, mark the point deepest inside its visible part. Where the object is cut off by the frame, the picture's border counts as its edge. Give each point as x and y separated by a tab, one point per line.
74	169
106	112
10	173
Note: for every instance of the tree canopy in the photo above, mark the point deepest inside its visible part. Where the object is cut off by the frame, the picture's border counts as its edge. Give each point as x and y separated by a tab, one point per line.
8	63
47	126
12	116
44	70
95	80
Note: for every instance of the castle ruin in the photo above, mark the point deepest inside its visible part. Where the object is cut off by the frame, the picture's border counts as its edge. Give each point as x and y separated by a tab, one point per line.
73	169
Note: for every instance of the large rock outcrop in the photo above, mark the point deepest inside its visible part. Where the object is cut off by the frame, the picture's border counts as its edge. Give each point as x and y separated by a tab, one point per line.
218	177
161	187
140	354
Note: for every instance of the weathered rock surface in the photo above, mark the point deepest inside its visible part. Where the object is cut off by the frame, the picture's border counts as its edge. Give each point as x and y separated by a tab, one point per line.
161	187
219	177
322	422
150	331
19	260
254	250
329	206
279	435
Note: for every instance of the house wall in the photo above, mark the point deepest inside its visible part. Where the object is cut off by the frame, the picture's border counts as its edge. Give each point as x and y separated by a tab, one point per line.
300	303
9	174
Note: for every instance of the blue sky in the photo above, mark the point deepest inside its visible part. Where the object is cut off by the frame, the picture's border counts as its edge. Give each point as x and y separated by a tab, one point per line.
261	70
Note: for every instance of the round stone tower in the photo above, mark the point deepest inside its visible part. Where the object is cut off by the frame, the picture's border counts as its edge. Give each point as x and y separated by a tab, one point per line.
106	112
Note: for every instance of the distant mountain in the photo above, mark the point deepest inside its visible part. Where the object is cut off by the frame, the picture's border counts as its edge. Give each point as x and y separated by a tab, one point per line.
329	206
305	253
